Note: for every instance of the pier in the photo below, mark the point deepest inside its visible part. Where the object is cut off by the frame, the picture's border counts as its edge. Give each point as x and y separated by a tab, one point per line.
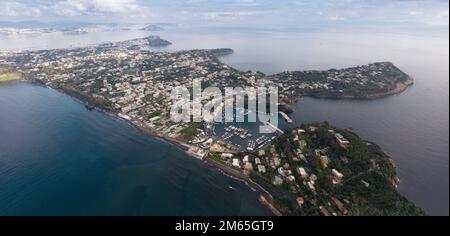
278	130
286	117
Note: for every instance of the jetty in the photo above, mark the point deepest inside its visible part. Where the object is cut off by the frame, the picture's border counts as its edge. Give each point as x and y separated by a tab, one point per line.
278	130
286	117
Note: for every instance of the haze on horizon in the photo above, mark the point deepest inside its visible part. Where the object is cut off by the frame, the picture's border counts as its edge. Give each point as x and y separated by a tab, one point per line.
386	15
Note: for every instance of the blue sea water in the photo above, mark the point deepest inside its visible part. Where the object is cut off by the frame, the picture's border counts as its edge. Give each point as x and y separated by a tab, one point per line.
57	158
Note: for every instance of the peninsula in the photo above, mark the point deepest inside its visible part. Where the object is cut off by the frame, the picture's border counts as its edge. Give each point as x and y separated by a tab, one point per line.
317	169
362	82
290	171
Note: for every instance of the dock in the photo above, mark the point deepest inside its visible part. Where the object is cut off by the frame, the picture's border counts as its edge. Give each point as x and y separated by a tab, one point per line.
278	130
286	117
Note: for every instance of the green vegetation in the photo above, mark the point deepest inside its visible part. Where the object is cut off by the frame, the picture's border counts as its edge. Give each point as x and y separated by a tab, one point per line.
368	185
10	76
187	133
130	72
153	114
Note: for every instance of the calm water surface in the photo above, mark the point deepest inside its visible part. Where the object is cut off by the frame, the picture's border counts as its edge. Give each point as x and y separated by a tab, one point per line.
57	158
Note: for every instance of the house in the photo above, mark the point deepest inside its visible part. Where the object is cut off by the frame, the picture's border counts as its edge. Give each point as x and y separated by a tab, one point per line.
236	163
226	155
290	178
302	172
324	211
341	140
261	169
300	201
281	172
276	161
261	153
311	186
278	181
339	205
324	161
257	161
337	176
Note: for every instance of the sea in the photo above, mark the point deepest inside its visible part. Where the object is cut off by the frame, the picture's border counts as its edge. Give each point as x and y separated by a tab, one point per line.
57	158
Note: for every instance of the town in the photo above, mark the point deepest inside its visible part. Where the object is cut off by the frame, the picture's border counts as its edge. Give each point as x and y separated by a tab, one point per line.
315	167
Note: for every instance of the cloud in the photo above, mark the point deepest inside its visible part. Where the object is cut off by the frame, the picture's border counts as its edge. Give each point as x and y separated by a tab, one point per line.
251	12
98	7
10	9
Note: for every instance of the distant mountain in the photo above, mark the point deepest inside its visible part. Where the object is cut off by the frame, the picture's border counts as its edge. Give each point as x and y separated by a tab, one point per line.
23	24
152	28
36	28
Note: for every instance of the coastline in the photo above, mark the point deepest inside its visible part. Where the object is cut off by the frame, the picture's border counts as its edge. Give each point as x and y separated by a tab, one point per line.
265	198
399	88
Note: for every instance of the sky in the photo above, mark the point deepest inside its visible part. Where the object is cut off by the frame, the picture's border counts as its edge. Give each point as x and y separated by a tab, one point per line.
312	13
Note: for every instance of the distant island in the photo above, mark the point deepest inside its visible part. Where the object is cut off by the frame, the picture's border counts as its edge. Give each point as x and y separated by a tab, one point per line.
37	29
152	28
312	170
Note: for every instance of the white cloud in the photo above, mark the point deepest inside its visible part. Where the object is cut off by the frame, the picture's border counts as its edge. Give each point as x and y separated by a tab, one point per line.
130	8
16	9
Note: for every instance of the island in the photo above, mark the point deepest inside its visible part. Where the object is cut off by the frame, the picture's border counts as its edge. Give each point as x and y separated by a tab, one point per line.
312	170
152	28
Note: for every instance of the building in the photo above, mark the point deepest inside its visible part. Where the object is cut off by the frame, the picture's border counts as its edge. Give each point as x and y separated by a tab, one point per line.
339	205
341	140
290	178
261	153
236	163
261	169
281	172
324	161
311	186
276	161
337	176
226	155
300	201
324	211
278	181
302	172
